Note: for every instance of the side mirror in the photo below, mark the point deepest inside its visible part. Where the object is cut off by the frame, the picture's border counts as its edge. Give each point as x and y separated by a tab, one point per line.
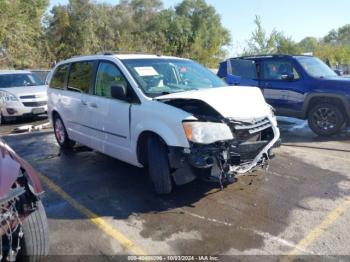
288	77
233	80
119	92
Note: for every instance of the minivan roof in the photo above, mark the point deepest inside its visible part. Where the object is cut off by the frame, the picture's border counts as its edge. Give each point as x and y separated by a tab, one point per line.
120	57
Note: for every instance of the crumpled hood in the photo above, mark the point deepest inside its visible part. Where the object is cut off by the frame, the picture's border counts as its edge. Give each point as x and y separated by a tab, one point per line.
237	102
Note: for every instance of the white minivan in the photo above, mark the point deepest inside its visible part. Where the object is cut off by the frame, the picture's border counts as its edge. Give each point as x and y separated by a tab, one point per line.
170	115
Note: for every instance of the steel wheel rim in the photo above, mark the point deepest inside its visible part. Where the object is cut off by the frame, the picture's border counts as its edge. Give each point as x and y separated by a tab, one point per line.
59	131
325	118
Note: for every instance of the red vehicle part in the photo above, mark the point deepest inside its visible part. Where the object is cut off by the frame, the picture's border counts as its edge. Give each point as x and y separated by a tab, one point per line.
10	167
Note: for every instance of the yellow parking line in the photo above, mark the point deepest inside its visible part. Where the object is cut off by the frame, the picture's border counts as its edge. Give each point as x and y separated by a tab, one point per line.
94	218
315	233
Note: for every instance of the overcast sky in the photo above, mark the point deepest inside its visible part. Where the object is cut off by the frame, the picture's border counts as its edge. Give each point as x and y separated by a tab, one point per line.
297	18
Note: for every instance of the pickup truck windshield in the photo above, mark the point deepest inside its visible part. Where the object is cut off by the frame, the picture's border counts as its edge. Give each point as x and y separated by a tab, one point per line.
18	80
165	76
315	67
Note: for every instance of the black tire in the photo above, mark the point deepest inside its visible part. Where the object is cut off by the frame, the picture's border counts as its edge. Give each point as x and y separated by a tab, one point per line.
158	166
35	241
61	134
326	119
3	120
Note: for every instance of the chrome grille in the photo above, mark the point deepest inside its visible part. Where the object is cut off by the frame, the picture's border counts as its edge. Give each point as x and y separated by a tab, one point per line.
34	104
255	127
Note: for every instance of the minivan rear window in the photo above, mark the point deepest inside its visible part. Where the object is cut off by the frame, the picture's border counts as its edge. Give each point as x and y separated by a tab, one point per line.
59	77
80	76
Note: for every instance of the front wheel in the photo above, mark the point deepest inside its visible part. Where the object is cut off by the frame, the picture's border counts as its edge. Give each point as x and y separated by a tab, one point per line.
326	119
35	241
61	133
158	165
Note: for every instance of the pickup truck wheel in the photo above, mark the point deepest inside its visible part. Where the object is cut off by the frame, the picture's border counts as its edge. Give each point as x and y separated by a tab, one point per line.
35	241
61	133
158	165
326	119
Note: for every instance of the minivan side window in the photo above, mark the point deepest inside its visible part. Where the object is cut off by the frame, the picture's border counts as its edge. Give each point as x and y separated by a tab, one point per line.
108	75
80	76
59	77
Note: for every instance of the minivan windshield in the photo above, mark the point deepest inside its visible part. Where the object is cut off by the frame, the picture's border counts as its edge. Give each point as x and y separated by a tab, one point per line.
165	76
18	80
315	67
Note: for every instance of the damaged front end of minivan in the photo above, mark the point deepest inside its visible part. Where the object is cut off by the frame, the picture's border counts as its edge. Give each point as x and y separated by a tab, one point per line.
221	148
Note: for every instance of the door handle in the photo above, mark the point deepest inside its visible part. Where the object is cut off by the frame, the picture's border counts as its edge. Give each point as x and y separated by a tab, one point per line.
93	105
83	102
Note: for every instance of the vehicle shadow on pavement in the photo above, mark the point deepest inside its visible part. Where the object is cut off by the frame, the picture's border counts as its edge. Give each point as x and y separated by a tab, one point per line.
194	219
297	131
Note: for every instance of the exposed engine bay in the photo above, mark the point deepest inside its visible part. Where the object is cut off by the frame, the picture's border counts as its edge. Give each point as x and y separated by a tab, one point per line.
251	146
14	208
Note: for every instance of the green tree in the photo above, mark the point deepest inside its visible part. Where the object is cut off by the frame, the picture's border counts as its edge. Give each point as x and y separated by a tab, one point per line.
308	44
285	45
21	33
273	43
192	29
206	37
260	42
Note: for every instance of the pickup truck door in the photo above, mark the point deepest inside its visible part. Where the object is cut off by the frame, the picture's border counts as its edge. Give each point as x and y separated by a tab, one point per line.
278	80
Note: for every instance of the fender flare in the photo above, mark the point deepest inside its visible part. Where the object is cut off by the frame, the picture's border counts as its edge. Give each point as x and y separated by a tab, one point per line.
310	96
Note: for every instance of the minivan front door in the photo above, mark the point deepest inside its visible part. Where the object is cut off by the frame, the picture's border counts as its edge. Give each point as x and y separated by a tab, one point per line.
109	117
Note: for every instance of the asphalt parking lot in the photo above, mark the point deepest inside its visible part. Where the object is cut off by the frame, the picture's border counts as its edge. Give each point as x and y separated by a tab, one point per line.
97	205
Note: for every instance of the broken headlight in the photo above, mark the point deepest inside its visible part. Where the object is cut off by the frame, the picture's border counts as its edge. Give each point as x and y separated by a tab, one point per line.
207	132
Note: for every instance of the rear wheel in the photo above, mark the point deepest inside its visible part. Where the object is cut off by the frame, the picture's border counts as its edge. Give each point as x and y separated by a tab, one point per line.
35	241
158	165
326	119
61	133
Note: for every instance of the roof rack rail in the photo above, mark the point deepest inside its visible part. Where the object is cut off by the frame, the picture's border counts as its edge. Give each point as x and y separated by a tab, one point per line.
119	52
75	56
266	55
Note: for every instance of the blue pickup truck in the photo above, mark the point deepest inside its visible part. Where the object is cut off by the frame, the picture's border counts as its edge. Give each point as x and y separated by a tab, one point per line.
297	86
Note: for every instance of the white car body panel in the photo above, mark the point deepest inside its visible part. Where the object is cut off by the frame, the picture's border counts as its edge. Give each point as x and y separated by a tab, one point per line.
85	116
240	103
